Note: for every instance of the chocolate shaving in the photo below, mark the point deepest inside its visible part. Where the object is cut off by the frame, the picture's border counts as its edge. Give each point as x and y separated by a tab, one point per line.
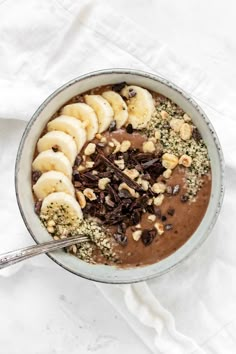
114	195
196	135
171	211
168	227
112	126
37	206
176	189
120	174
121	239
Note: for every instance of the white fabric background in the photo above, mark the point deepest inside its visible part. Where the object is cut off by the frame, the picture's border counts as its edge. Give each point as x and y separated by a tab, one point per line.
43	44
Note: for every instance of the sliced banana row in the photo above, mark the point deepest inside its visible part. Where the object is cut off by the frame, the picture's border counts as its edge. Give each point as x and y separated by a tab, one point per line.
77	124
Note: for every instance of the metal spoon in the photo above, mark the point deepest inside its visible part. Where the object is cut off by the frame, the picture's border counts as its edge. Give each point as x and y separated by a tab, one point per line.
10	258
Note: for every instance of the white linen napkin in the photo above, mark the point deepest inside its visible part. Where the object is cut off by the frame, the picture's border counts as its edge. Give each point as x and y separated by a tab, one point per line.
48	44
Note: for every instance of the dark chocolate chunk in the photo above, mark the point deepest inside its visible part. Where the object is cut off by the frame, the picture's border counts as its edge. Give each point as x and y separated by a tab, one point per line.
148	236
171	211
118	87
112	126
163	218
121	239
184	198
102	197
168	227
176	189
35	176
129	129
37	206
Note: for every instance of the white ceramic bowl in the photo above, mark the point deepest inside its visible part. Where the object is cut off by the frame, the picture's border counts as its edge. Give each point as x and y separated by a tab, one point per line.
102	273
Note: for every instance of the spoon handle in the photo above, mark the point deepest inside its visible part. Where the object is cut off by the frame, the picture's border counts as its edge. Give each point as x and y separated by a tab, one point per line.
12	257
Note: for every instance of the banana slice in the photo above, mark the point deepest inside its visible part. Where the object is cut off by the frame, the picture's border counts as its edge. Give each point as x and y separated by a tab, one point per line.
61	141
140	105
52	181
85	114
102	109
119	107
71	126
49	160
62	201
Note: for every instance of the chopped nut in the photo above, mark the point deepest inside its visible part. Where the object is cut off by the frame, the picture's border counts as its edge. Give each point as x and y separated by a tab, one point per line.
50	229
185	131
90	149
125	145
136	235
138	226
132	173
148	146
94	172
56	238
158	134
129	189
150	201
152	217
120	163
158	200
74	249
81	168
51	223
98	136
167	173
144	184
111	144
186	118
176	124
169	161
103	139
185	160
81	198
159	227
89	164
164	115
89	193
102	183
117	146
158	187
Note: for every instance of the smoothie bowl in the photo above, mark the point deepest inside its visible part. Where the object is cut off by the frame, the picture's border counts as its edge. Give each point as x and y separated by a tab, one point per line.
128	159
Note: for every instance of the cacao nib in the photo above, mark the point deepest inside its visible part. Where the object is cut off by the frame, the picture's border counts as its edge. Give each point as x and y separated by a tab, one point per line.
112	126
132	93
176	189
118	87
129	129
196	135
168	227
121	239
78	160
171	211
35	176
184	198
148	236
37	206
54	148
163	218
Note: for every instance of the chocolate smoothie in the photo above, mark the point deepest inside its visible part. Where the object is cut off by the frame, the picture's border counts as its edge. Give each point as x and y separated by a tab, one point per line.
141	176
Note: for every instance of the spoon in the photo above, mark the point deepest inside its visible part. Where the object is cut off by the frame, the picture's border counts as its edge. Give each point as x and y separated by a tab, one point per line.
9	258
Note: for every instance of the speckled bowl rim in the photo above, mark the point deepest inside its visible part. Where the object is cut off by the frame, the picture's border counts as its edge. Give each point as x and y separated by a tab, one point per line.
170	85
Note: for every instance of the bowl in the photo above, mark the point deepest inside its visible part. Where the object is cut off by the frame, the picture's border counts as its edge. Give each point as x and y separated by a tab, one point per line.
103	273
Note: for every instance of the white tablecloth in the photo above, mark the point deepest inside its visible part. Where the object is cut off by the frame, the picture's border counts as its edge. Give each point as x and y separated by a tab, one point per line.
43	44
